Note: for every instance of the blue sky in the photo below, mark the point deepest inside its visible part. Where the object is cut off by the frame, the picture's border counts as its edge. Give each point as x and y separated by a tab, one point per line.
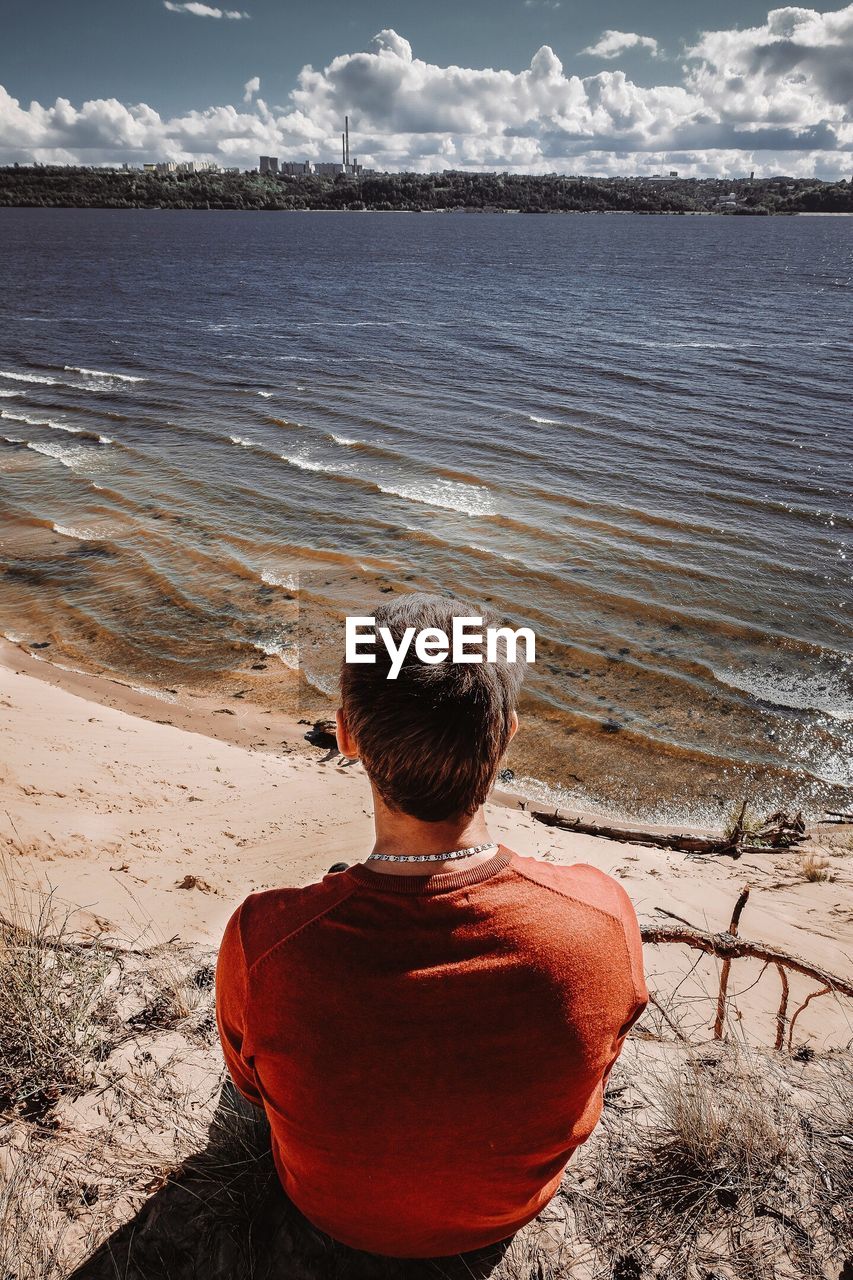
521	84
138	51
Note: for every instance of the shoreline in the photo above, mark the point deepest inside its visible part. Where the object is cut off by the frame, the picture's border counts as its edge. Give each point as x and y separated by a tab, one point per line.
248	725
148	832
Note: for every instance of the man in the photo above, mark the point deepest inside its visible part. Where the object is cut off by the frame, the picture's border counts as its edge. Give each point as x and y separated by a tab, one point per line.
429	1038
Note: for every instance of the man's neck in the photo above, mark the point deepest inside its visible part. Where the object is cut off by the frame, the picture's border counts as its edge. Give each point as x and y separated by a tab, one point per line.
398	833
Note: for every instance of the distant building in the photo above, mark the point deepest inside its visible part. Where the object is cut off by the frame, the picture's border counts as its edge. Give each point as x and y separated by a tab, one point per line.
329	169
296	168
673	173
166	166
149	168
269	164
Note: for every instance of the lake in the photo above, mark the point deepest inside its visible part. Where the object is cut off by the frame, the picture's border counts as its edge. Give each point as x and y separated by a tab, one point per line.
221	432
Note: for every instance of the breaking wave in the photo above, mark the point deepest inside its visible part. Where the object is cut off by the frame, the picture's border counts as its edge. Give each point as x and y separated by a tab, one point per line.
471	500
101	373
286	580
826	693
28	377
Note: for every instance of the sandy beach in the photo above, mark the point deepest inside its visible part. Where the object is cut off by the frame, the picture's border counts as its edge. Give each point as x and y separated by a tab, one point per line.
153	820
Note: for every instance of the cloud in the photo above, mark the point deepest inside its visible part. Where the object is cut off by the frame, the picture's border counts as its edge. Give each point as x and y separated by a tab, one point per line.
611	43
773	98
204	10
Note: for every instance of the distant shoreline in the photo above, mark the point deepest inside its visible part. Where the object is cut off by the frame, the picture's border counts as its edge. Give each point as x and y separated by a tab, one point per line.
448	192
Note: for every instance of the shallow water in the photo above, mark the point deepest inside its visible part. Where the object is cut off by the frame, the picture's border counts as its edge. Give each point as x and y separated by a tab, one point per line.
221	432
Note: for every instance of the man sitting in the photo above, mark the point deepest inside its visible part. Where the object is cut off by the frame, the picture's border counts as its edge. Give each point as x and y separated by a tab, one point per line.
430	1030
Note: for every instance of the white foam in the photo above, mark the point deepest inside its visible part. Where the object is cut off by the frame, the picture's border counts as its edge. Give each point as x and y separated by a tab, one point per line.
267	395
826	692
101	373
451	495
159	694
543	422
7	395
28	377
321	684
243	442
343	439
286	580
68	457
81	535
305	464
285	650
39	422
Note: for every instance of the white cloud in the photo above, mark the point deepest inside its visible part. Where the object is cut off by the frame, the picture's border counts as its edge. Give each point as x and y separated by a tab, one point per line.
611	43
774	98
204	10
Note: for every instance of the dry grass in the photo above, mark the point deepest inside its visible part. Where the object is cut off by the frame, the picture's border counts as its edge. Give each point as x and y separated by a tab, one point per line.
741	819
738	1167
710	1160
814	868
54	1002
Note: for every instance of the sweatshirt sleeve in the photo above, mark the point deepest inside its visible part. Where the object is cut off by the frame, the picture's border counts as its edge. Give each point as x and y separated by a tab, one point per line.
232	990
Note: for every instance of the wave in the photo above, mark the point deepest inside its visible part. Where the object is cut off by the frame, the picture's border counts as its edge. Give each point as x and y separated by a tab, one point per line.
285	650
345	440
266	395
28	377
471	500
309	464
66	456
8	395
81	535
825	693
322	684
543	422
160	694
101	373
244	443
286	580
37	422
92	436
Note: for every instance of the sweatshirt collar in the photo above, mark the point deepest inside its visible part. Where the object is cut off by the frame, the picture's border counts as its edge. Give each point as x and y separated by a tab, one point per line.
425	886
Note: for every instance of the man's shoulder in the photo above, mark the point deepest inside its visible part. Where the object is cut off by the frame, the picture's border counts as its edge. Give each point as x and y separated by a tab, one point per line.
267	919
586	886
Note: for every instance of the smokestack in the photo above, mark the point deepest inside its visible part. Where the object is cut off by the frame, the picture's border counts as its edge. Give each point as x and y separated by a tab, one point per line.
346	143
343	148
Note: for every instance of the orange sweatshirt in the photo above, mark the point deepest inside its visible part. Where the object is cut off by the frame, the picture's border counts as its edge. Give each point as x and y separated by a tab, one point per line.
429	1050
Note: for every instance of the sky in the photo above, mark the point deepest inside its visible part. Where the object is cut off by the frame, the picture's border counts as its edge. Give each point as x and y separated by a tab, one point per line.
538	86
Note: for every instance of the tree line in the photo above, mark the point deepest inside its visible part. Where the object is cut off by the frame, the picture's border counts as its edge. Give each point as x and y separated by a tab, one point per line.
45	186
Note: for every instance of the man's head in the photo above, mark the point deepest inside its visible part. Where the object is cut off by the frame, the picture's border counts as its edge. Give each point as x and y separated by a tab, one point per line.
430	740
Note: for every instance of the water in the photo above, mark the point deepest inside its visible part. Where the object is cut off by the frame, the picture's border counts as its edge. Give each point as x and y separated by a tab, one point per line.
223	431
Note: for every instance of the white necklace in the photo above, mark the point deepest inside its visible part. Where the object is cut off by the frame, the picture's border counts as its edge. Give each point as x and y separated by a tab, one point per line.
431	857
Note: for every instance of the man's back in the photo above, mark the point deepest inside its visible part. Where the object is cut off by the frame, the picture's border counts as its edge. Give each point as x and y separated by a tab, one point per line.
429	1049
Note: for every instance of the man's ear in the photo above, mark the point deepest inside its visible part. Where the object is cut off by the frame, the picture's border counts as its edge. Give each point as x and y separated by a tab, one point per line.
346	742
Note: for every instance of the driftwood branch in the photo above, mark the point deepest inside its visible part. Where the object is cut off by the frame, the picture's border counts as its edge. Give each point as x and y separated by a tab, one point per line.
727	963
777	831
782	1012
727	947
824	991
